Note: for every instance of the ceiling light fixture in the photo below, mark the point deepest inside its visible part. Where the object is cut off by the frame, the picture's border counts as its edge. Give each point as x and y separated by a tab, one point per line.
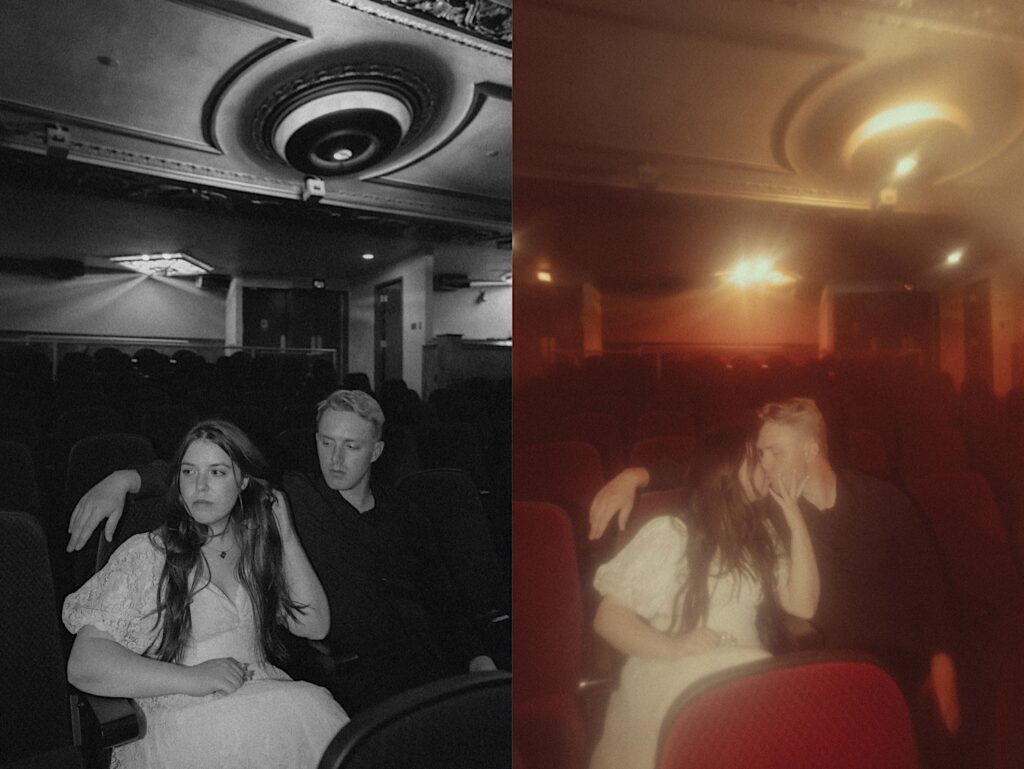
343	120
954	257
904	116
368	257
544	276
759	271
168	265
905	166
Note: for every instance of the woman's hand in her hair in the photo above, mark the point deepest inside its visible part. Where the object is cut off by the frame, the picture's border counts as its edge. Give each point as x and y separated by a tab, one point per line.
217	676
283	516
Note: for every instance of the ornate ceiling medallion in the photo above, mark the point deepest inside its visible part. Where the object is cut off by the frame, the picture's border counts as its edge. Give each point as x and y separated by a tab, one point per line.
342	120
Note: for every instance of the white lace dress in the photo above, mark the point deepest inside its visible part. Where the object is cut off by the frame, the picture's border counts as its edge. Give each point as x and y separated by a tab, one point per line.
271	722
647	576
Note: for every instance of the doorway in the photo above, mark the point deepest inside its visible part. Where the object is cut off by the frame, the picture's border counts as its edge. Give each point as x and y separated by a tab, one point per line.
978	331
387	332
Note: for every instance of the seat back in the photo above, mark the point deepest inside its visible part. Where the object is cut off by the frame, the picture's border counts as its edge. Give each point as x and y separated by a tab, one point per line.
669	455
547	635
141	515
601	431
800	711
971	534
565	473
546	601
464	722
652	424
33	687
452	502
296	450
91	460
18	487
866	451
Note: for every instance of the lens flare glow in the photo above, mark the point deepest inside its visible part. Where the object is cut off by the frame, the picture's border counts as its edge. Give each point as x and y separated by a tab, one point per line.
759	271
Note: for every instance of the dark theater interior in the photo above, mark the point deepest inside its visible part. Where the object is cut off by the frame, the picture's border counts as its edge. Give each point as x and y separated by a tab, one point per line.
761	262
723	204
229	209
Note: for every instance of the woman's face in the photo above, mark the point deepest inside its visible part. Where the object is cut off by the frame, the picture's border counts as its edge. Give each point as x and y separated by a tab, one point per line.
753	479
209	483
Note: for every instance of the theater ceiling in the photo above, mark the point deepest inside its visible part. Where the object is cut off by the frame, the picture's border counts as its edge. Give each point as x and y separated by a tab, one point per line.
274	137
864	113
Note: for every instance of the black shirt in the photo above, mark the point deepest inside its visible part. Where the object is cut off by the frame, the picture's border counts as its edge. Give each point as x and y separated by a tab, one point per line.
883	588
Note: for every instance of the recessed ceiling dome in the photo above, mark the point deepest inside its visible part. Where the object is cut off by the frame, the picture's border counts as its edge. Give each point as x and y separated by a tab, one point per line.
343	120
924	120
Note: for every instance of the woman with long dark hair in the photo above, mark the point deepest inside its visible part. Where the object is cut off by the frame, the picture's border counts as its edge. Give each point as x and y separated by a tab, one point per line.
681	599
188	618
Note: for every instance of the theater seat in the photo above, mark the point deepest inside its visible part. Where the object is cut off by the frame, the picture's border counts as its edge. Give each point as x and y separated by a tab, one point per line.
565	473
455	723
18	487
988	592
599	430
547	637
811	710
44	723
452	502
91	460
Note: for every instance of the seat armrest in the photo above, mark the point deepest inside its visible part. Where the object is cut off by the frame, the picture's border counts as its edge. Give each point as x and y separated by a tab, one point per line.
100	723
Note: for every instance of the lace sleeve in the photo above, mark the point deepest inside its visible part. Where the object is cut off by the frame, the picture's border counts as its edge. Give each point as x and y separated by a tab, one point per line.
121	598
649	571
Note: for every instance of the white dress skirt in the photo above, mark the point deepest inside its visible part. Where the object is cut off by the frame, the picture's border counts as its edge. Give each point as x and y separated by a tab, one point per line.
270	722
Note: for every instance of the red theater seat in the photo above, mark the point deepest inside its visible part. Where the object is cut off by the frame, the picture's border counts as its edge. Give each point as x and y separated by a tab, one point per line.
547	637
601	431
565	473
803	711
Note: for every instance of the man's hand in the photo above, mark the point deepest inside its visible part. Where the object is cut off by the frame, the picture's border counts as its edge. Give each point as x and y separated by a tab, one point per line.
616	498
942	683
481	663
105	500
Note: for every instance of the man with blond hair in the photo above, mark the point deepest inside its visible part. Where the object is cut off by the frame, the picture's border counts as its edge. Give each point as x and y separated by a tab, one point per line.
883	590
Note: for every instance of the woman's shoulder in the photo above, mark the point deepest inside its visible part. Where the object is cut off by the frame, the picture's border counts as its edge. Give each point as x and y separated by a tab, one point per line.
140	548
664	529
665	524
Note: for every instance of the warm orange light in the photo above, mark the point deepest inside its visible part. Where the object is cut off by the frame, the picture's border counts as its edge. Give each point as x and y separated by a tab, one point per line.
905	166
904	116
544	276
756	272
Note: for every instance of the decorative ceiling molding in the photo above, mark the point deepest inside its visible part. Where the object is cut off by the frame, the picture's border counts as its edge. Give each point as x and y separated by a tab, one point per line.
246	14
991	20
40	172
634	158
68	118
212	103
431	17
481	93
689	25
